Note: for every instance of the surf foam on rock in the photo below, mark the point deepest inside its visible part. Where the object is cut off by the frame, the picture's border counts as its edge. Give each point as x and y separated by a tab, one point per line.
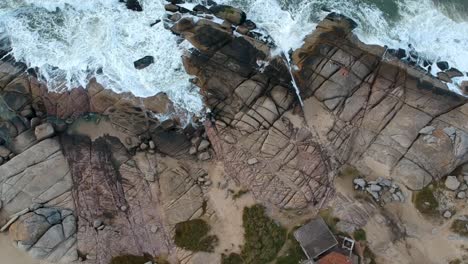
419	23
72	41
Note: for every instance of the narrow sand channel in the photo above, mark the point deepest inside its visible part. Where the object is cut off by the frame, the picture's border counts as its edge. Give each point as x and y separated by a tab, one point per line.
11	255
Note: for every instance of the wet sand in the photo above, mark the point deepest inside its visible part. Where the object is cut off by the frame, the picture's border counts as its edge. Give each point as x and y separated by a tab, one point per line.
11	255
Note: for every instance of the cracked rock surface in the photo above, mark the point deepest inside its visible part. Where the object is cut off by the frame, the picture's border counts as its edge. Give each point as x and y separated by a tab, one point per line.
109	195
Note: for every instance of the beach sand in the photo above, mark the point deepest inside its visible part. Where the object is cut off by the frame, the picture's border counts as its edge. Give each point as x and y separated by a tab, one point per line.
11	255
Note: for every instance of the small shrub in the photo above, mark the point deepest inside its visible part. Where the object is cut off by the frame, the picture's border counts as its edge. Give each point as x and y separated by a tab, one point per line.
193	235
131	259
161	260
294	253
369	255
425	202
263	237
460	227
233	258
360	235
455	261
349	171
239	194
329	219
204	207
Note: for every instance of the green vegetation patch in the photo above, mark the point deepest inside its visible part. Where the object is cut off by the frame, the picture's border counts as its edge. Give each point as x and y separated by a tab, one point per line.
294	253
131	259
426	202
369	256
232	258
161	260
349	171
239	194
329	219
193	235
460	227
455	261
360	235
263	237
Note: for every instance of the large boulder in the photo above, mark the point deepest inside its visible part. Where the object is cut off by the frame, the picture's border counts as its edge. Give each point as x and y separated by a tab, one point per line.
143	62
4	152
46	233
44	131
229	13
39	174
452	183
443	65
134	5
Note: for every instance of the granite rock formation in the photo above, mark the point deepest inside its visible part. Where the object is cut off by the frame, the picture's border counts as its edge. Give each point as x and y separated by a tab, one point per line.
282	126
361	106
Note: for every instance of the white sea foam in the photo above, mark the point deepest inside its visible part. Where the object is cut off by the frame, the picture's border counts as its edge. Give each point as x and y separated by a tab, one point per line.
71	40
432	34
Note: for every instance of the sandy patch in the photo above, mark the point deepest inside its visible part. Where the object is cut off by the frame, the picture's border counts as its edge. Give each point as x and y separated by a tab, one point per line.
426	242
100	126
11	255
228	225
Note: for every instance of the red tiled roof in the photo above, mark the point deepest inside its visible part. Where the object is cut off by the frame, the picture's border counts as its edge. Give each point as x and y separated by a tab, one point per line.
335	258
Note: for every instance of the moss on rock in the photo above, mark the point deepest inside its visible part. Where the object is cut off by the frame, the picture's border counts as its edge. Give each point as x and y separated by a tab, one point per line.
426	202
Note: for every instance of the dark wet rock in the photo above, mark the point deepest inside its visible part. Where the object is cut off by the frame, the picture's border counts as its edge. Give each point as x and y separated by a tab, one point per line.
157	21
208	36
168	124
4	152
134	5
443	76
176	2
201	9
176	17
464	87
242	30
454	72
143	62
427	63
183	25
171	8
335	17
399	53
35	121
249	24
27	112
184	10
443	65
173	143
20	123
7	130
229	13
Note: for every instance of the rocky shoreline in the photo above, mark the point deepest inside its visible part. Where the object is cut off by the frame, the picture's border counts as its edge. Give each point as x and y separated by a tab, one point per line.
88	174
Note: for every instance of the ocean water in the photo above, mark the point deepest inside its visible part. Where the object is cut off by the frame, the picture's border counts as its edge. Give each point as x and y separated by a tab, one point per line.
71	41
